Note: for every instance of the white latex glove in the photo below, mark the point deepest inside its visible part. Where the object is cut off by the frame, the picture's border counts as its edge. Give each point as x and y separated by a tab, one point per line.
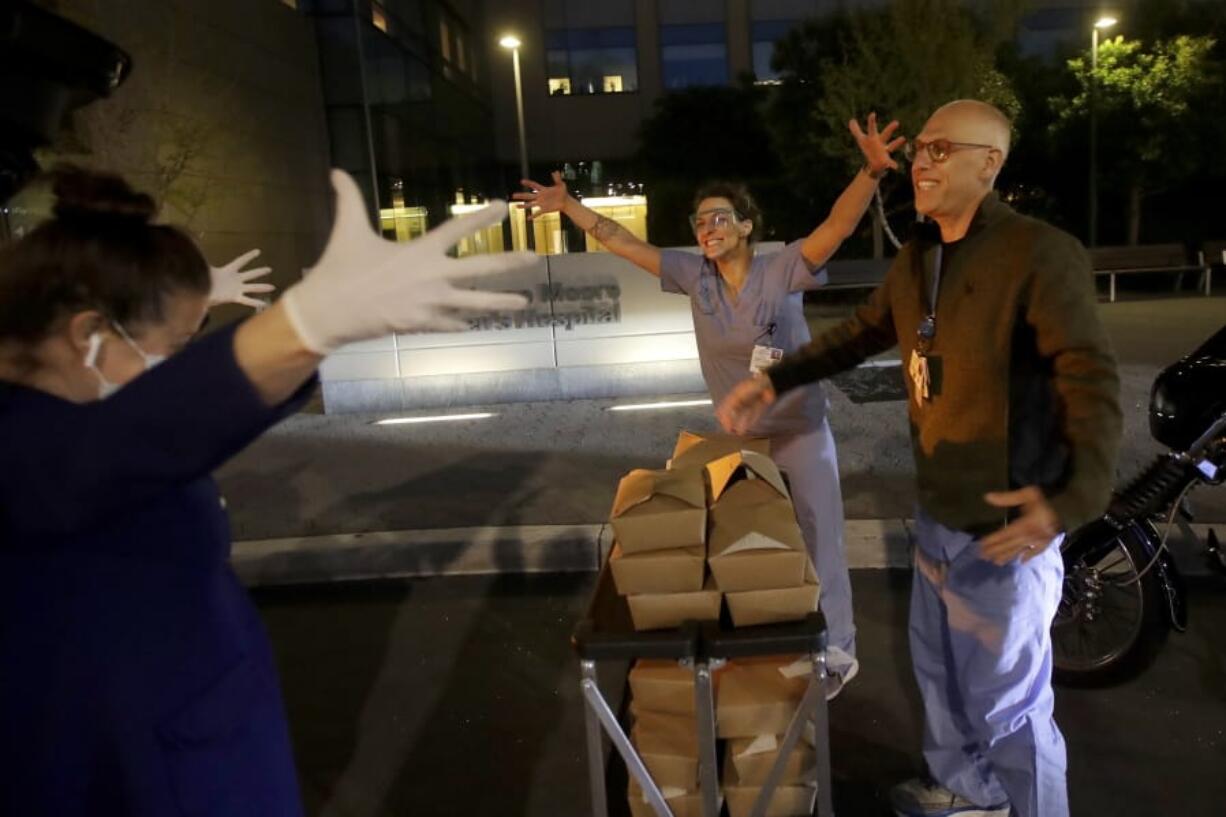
231	284
364	286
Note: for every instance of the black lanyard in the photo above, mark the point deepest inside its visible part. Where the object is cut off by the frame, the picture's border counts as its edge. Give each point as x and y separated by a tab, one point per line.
928	326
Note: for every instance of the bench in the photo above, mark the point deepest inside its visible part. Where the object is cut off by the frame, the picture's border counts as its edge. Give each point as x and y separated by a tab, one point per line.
858	273
1212	254
868	273
1113	261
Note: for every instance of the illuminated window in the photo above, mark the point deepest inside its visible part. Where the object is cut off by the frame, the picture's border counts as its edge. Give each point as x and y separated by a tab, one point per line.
586	56
628	211
613	85
378	16
459	53
548	236
482	242
403	223
559	86
546	229
444	39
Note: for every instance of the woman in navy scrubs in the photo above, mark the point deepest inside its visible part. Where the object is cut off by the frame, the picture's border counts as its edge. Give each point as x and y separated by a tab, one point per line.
135	675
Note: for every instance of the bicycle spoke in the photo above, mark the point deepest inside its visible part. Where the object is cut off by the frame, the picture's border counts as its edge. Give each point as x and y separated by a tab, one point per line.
1118	611
1110	567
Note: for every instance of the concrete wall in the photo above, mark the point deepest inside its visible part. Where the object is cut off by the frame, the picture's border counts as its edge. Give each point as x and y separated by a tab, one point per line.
222	120
595	327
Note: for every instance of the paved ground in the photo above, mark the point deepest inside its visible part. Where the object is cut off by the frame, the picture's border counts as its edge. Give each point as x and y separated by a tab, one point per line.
459	696
558	463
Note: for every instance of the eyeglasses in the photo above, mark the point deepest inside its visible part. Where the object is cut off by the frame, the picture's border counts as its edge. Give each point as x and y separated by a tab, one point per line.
713	219
939	150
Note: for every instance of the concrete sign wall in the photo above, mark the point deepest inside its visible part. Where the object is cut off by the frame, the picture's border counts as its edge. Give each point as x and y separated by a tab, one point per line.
595	326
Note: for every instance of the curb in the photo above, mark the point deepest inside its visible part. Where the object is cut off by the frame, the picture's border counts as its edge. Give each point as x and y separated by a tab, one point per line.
872	544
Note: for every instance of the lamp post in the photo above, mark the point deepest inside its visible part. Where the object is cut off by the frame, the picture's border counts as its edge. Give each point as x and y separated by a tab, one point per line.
1102	24
511	42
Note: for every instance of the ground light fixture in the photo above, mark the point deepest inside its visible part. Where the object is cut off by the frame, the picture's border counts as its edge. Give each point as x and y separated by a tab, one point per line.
665	405
440	418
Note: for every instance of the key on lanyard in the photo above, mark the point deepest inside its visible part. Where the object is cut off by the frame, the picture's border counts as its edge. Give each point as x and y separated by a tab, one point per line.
918	369
919	377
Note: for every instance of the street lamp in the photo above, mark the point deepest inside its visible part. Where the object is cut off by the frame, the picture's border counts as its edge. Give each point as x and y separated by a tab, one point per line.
1101	24
510	41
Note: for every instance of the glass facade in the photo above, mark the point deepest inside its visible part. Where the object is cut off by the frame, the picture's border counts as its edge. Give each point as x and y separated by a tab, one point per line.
551	236
590	48
406	115
693	54
484	242
770	22
765	34
628	211
591	60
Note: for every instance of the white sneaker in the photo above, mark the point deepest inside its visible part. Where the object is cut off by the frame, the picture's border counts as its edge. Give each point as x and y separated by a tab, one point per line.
840	668
924	797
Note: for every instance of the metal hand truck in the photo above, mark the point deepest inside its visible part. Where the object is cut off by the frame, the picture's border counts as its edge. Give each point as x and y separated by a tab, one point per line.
607	634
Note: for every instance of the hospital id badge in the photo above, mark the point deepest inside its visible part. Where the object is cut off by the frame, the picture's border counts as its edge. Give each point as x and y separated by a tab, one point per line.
920	379
763	358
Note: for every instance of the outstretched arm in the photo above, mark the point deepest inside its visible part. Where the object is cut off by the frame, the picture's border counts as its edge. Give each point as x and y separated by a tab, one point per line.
555	198
364	286
825	240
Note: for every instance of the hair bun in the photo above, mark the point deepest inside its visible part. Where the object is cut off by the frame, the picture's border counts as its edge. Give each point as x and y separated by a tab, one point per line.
83	194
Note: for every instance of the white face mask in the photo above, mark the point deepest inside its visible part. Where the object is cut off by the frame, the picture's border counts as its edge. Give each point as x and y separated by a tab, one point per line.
105	387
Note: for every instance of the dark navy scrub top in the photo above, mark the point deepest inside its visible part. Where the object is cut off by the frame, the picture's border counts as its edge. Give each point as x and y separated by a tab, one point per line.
135	675
769	311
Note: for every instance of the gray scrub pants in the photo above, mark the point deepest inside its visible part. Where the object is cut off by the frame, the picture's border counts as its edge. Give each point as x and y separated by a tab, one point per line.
812	467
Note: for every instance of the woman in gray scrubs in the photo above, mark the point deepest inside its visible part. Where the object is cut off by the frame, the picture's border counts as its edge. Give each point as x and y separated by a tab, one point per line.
748	310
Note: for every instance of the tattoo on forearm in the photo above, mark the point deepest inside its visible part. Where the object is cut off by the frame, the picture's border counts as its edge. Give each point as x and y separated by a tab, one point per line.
604	229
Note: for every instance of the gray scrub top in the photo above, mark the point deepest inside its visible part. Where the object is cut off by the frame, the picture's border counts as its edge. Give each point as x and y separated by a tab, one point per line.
769	311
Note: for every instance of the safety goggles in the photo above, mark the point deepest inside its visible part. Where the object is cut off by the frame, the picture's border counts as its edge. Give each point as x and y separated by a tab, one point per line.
712	219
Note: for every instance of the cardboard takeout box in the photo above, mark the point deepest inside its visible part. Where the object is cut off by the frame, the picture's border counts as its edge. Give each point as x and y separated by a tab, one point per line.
658	611
660	510
699	449
678	570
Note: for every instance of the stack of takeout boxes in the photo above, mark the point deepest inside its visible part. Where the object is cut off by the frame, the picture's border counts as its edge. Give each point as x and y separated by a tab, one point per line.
717	523
758	697
721	503
665	734
659	556
755	548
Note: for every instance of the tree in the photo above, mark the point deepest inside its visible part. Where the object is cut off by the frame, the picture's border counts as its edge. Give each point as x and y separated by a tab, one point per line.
704	133
1149	102
168	128
902	61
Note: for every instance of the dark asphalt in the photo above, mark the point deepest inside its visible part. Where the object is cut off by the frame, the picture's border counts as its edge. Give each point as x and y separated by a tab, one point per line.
459	696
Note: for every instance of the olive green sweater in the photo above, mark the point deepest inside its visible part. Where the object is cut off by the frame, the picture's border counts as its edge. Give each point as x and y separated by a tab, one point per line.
1024	389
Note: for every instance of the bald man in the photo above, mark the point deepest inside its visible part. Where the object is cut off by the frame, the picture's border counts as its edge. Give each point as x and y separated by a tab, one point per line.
1015	424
